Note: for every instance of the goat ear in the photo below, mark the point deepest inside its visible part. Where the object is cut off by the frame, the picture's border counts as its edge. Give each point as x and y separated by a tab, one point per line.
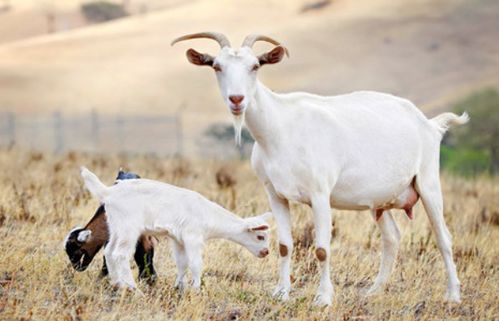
84	235
263	227
198	58
273	56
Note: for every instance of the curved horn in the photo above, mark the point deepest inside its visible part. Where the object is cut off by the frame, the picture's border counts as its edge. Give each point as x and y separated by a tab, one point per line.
250	40
218	37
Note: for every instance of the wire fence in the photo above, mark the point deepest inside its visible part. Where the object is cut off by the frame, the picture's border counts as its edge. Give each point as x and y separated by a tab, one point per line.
94	132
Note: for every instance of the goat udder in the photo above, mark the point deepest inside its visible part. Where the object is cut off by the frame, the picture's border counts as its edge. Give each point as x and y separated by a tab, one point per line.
407	205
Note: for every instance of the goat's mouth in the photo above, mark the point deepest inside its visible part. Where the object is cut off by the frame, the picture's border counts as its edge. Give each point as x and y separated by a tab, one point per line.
79	267
263	253
236	110
81	263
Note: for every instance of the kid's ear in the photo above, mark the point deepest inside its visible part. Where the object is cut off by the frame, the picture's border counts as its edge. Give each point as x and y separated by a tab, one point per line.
262	227
84	235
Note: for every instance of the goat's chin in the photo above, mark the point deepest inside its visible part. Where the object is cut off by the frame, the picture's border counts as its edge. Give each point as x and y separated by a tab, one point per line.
79	267
238	127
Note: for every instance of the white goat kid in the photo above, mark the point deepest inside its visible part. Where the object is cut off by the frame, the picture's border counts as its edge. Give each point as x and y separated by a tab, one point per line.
364	150
137	207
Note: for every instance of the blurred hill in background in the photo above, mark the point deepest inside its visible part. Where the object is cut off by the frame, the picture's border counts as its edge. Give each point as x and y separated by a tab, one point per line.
21	19
431	52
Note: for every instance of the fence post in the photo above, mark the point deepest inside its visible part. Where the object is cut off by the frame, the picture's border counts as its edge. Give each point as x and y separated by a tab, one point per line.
11	129
94	128
179	131
120	134
58	134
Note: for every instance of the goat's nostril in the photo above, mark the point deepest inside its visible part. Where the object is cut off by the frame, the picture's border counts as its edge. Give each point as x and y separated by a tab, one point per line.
236	99
264	252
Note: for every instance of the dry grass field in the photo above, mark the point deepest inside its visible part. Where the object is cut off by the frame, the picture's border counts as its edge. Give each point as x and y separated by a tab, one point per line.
42	198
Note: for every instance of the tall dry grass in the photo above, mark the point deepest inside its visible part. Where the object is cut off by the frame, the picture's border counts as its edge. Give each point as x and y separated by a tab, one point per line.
42	198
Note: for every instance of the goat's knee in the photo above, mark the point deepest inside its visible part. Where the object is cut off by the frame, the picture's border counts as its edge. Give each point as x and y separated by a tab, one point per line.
321	254
283	250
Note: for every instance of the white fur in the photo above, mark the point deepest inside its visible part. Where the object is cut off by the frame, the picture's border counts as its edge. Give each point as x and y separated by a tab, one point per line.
94	185
356	151
141	206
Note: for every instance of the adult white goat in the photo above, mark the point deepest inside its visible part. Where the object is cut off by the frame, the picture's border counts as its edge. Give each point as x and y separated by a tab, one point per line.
364	150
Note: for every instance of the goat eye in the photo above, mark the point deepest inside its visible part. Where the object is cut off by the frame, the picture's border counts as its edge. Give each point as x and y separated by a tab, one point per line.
217	68
255	67
260	238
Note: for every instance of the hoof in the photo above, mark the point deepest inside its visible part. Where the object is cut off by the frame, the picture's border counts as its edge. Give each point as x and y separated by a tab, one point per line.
322	300
373	290
124	286
453	293
281	293
179	287
453	296
149	280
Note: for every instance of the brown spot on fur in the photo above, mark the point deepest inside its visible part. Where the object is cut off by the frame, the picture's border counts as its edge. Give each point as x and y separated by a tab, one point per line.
321	254
283	250
100	233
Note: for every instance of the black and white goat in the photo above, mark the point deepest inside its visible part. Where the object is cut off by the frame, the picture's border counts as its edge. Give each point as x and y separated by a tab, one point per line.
82	244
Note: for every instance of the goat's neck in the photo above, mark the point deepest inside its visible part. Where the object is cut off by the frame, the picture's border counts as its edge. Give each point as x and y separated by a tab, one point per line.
263	116
98	226
225	225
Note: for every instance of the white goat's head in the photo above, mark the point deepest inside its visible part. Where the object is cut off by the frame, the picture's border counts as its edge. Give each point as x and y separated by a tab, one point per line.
236	69
255	236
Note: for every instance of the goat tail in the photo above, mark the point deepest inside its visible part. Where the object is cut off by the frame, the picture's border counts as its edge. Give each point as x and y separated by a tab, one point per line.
94	185
444	121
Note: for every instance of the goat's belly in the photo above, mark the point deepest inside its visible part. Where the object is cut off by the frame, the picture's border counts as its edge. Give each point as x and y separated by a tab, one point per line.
402	196
157	229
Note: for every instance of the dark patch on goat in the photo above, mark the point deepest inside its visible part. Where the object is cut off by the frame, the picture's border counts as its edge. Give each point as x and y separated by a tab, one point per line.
81	254
321	254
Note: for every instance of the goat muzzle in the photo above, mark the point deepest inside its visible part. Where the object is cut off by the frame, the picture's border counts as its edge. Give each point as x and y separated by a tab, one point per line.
263	253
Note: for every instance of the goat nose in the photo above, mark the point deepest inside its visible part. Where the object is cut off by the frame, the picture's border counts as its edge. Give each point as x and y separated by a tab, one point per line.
264	252
236	99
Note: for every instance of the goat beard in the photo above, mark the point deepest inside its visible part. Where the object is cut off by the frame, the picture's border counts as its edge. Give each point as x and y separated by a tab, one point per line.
238	127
